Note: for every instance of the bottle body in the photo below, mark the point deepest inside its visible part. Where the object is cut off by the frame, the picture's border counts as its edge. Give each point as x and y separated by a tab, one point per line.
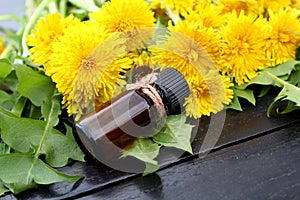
117	123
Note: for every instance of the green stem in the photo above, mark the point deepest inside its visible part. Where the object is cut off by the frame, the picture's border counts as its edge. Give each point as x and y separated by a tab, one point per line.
10	17
31	22
29	8
52	7
63	7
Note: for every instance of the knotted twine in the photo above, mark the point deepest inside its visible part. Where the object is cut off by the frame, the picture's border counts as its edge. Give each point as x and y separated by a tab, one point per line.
144	85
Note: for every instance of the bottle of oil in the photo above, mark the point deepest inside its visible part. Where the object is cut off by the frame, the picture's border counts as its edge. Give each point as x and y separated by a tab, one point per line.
132	114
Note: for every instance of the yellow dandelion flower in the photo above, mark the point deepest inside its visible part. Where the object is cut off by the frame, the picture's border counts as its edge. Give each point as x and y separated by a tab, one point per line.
1	45
284	36
209	13
248	6
244	37
191	105
189	48
228	91
45	33
130	16
189	43
155	6
209	94
274	5
87	63
124	15
143	58
178	6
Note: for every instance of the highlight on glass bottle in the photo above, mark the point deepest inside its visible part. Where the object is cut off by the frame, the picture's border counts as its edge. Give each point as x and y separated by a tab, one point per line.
139	112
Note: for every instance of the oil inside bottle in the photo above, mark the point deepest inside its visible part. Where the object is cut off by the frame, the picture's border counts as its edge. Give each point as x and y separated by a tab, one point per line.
120	122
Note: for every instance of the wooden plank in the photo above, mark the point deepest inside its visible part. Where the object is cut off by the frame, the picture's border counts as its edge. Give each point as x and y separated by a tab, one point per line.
238	127
267	167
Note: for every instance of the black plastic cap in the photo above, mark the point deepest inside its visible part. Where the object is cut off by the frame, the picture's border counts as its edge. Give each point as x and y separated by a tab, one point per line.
175	89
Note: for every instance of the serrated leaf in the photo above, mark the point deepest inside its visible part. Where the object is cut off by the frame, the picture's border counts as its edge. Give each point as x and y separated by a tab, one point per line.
69	131
20	172
235	104
2	189
261	79
283	69
150	168
283	76
59	148
34	85
30	135
5	69
176	133
279	71
246	94
145	150
288	92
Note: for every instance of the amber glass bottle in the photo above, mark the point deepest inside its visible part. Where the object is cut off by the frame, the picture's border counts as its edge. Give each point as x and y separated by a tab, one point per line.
132	114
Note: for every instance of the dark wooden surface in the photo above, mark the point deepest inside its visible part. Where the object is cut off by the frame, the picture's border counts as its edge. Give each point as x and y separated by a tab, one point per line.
255	158
263	168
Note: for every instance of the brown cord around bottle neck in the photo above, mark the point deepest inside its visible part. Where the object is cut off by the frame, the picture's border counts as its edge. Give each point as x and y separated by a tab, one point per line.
144	84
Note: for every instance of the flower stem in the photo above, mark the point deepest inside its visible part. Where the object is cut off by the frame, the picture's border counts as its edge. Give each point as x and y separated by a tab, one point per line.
63	7
52	7
29	8
10	17
31	22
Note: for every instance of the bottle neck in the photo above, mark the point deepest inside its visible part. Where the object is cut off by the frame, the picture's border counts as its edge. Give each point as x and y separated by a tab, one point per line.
165	97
